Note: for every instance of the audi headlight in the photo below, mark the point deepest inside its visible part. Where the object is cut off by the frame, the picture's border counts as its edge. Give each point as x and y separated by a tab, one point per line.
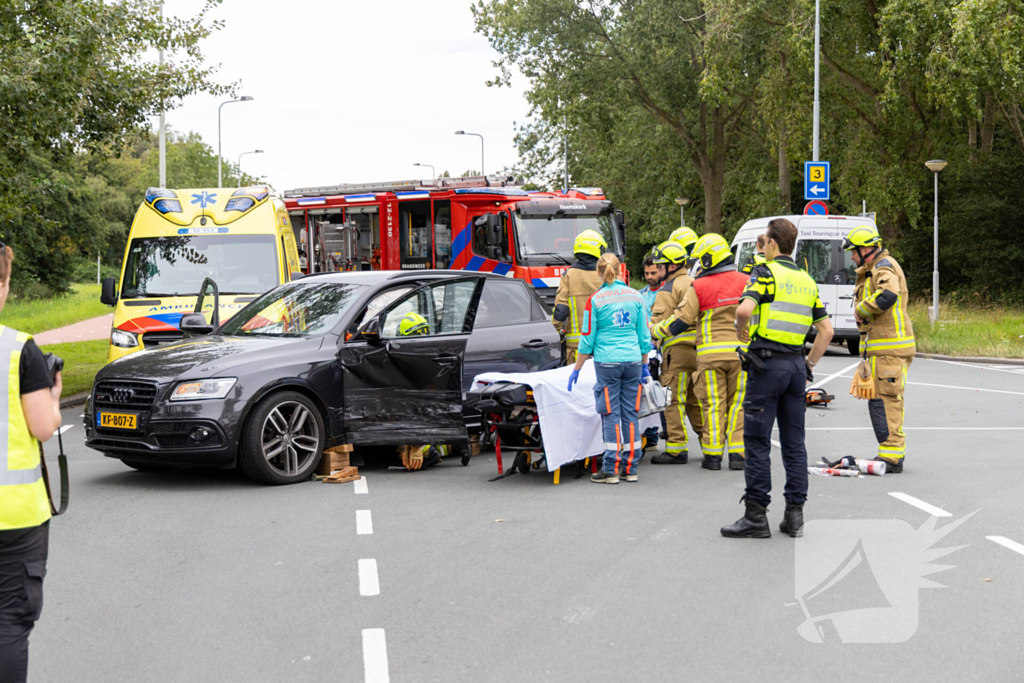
203	389
126	340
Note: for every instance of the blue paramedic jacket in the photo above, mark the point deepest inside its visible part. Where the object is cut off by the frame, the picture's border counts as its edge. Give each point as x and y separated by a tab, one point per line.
615	325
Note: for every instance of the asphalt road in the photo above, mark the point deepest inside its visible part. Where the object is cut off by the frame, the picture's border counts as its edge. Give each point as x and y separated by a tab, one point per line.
205	576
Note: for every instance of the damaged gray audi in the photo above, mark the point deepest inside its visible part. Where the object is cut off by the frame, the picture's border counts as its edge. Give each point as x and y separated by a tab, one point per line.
376	358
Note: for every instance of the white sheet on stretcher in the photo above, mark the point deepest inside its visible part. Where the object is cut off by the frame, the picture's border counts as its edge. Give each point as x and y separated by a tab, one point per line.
569	423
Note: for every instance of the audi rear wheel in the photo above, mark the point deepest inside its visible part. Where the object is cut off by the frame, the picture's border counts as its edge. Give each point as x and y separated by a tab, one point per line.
283	439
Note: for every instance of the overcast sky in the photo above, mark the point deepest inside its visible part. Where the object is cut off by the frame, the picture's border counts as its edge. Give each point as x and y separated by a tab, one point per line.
353	91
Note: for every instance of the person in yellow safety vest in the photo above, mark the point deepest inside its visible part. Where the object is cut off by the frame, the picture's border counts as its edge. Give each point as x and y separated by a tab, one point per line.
29	414
777	310
887	338
758	256
709	306
679	352
413	324
578	283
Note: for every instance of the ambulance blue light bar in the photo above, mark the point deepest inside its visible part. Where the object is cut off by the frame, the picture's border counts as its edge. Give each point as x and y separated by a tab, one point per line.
158	192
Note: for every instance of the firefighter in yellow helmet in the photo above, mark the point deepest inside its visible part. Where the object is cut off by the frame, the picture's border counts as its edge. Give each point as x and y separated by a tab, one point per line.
578	283
887	338
679	353
418	457
31	415
709	307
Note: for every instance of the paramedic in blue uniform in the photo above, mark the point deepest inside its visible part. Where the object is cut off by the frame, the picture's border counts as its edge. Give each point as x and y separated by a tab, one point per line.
615	334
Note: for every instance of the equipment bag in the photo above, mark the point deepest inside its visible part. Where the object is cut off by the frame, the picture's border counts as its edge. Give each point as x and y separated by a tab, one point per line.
653	398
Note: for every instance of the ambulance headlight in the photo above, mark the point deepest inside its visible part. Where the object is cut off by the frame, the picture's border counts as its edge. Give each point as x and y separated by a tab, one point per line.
126	340
203	389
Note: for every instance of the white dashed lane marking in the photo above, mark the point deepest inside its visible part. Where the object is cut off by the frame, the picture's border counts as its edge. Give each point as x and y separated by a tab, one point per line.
364	523
360	485
920	504
1007	543
369	584
375	656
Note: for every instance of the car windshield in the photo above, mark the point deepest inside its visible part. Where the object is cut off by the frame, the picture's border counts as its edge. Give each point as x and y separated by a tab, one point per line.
176	266
547	236
294	310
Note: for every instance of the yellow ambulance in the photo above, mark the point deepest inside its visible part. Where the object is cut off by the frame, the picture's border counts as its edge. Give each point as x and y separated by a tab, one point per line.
242	239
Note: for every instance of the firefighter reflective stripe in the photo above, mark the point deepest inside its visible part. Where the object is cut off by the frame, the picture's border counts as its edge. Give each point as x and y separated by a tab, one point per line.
890	344
735	417
23	499
712	444
661	331
788	318
719	347
573	336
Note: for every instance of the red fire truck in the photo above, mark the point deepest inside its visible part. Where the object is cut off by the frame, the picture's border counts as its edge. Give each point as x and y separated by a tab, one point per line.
477	223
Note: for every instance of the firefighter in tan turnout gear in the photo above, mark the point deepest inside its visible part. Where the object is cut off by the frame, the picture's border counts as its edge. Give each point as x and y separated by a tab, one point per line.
887	341
578	284
678	351
709	307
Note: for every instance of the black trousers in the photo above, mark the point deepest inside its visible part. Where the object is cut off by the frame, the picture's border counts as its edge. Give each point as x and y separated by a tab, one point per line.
777	392
22	568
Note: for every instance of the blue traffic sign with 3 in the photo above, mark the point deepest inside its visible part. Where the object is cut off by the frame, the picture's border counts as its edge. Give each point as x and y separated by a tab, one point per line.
816	180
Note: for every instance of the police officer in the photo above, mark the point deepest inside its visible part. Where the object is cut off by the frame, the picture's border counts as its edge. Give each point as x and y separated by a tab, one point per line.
678	351
780	304
577	284
709	306
758	258
30	414
881	312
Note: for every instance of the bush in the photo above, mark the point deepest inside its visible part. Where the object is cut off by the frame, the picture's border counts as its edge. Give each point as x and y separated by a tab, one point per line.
85	271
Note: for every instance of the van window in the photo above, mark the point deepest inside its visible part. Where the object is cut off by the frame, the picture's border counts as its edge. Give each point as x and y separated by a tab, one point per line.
177	266
849	267
745	253
815	257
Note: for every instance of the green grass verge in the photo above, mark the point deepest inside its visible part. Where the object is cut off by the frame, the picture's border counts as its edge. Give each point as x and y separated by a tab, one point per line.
40	315
82	360
964	331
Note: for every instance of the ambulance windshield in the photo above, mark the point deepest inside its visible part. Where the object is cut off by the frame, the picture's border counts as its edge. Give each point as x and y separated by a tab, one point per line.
176	266
544	237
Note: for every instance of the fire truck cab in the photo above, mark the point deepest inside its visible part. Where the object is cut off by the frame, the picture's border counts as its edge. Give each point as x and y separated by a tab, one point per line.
477	223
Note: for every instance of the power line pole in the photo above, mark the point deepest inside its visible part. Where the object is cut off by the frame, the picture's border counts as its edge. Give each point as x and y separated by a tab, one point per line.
817	77
163	121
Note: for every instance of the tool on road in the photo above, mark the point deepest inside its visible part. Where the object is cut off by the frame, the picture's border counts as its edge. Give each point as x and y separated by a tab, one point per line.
346	474
832	472
848	462
818	398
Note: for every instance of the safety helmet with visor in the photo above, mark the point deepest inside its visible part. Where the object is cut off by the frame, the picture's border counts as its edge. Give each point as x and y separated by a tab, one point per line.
413	324
711	250
590	242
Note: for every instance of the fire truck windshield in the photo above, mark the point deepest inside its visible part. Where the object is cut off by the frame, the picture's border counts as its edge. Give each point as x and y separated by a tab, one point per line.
542	238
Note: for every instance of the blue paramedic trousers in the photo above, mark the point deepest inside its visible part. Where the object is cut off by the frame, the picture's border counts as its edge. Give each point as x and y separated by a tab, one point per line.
778	391
617	397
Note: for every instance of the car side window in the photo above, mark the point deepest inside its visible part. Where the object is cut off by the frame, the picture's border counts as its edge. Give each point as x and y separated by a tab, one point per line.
435	310
376	305
745	253
503	302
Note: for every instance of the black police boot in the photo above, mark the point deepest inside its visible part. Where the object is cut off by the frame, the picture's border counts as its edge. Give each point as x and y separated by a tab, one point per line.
892	466
793	520
754	524
736	462
668	459
712	462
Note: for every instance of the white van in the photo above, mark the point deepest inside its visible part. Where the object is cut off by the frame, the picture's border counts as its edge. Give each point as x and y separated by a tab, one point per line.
819	251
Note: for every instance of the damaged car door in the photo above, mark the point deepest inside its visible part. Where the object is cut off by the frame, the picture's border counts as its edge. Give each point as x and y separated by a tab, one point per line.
402	372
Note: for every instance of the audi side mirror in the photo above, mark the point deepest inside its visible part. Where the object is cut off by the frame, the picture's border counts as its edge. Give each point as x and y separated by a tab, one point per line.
370	331
108	294
195	324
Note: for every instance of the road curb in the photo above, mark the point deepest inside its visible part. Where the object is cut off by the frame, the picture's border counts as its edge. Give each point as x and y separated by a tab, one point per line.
973	359
73	401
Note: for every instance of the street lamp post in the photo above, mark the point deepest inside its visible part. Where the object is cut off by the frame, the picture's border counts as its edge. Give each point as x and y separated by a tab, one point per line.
462	132
433	174
682	202
243	98
255	151
817	78
935	166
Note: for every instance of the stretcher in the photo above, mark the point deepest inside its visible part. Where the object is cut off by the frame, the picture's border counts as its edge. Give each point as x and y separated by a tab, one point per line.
518	409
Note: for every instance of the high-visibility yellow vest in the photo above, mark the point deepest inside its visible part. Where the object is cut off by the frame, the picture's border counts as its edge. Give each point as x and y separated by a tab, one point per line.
23	500
789	317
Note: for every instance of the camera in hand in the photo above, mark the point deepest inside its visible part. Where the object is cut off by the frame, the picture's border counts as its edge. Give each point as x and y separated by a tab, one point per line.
54	364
